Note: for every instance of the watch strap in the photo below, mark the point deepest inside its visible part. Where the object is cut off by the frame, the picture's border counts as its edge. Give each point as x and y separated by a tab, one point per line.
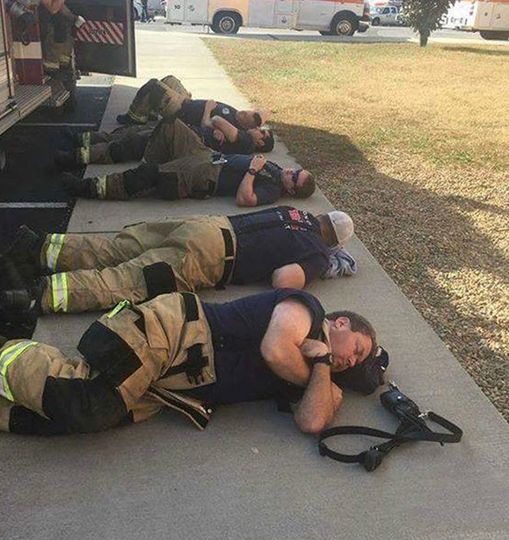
324	359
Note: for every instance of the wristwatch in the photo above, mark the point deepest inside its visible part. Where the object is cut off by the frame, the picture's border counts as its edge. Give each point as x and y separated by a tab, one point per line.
324	359
252	171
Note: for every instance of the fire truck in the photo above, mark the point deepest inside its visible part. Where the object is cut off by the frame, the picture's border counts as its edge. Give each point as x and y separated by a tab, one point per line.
103	43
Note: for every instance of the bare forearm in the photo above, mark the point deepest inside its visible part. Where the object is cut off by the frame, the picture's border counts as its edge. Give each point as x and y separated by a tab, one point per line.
316	409
293	370
245	193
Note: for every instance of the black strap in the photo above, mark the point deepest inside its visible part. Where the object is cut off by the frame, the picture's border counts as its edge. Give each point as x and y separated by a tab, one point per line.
229	253
195	361
407	432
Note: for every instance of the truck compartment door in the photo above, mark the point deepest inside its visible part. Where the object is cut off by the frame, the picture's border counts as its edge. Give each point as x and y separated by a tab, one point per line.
105	43
196	11
175	10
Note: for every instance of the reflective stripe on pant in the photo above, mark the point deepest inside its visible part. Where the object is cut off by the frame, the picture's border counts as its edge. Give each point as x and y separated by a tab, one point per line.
49	393
190	255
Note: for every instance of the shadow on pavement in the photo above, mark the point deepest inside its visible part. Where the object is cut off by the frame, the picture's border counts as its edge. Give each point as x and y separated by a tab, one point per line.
418	236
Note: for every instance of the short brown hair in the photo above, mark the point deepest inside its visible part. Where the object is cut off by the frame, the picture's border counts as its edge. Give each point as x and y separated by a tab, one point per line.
307	188
358	323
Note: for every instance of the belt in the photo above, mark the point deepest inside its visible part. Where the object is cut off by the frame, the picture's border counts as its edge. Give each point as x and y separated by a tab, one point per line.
229	254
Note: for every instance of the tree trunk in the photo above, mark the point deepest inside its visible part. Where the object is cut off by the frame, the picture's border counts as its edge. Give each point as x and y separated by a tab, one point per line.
423	38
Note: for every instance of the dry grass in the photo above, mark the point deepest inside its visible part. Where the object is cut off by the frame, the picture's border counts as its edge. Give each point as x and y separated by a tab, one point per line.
414	144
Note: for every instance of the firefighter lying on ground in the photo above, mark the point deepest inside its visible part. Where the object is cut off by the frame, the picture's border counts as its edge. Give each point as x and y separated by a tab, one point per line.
129	143
190	356
178	165
169	97
287	246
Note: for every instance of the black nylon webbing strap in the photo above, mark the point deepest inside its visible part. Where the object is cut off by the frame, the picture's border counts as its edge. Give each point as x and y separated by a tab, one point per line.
191	306
407	432
229	253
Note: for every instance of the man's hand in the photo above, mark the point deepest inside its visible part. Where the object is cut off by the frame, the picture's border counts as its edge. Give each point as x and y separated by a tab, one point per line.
210	105
312	348
258	162
218	136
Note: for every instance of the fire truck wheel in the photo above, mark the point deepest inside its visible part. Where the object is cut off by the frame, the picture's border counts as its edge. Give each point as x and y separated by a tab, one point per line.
375	21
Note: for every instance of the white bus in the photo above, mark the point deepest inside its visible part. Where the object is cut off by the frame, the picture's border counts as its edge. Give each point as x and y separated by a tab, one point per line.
489	17
329	17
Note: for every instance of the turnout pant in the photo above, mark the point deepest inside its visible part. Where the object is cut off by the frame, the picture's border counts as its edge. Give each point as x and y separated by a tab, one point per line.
93	272
167	141
177	165
123	144
133	357
164	97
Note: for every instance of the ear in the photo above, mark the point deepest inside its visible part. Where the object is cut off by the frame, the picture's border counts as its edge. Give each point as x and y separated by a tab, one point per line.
342	323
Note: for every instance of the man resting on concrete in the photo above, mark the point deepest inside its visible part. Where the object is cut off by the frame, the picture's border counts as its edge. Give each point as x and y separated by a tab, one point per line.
168	98
129	143
178	165
191	356
287	246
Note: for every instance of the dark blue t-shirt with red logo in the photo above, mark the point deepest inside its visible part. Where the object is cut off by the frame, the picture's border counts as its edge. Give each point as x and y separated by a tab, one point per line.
275	237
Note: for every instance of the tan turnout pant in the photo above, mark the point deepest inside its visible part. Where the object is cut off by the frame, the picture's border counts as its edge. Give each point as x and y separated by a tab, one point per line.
164	97
94	272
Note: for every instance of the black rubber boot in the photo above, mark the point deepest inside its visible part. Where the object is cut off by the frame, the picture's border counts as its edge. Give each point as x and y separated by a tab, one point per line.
78	186
67	160
21	302
127	120
21	261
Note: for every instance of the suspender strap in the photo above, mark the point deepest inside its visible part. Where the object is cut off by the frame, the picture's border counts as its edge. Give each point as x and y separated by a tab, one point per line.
229	253
195	362
407	432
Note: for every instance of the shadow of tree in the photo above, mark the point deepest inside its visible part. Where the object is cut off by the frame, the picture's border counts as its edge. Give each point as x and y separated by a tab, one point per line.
426	241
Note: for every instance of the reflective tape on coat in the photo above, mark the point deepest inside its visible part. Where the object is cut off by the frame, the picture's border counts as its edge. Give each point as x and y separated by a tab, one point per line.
53	250
6	358
59	292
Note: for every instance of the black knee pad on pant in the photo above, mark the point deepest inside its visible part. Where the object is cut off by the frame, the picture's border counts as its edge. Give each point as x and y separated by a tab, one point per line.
129	150
146	88
159	279
168	186
143	178
83	405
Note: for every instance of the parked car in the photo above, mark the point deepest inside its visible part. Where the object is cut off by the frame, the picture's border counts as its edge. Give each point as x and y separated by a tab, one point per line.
154	7
386	16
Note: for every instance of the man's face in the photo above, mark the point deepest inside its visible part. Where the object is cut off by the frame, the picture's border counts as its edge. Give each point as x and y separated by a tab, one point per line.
293	178
246	119
258	136
348	348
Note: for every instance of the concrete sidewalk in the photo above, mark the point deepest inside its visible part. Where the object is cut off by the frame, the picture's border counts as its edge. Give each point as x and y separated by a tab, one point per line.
251	474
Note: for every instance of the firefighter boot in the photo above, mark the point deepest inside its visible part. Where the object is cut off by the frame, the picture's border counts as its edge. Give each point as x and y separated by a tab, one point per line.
21	303
127	120
66	161
25	253
78	186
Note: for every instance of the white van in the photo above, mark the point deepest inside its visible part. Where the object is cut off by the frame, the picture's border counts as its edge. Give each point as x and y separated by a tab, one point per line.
489	17
329	17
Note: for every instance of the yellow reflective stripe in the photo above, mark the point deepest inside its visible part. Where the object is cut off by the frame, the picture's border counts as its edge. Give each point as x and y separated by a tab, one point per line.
59	292
6	358
55	246
85	138
100	186
137	117
84	155
119	307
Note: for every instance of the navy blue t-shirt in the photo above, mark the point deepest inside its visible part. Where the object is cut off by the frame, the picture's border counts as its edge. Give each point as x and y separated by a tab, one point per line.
238	329
275	237
243	145
192	110
267	185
